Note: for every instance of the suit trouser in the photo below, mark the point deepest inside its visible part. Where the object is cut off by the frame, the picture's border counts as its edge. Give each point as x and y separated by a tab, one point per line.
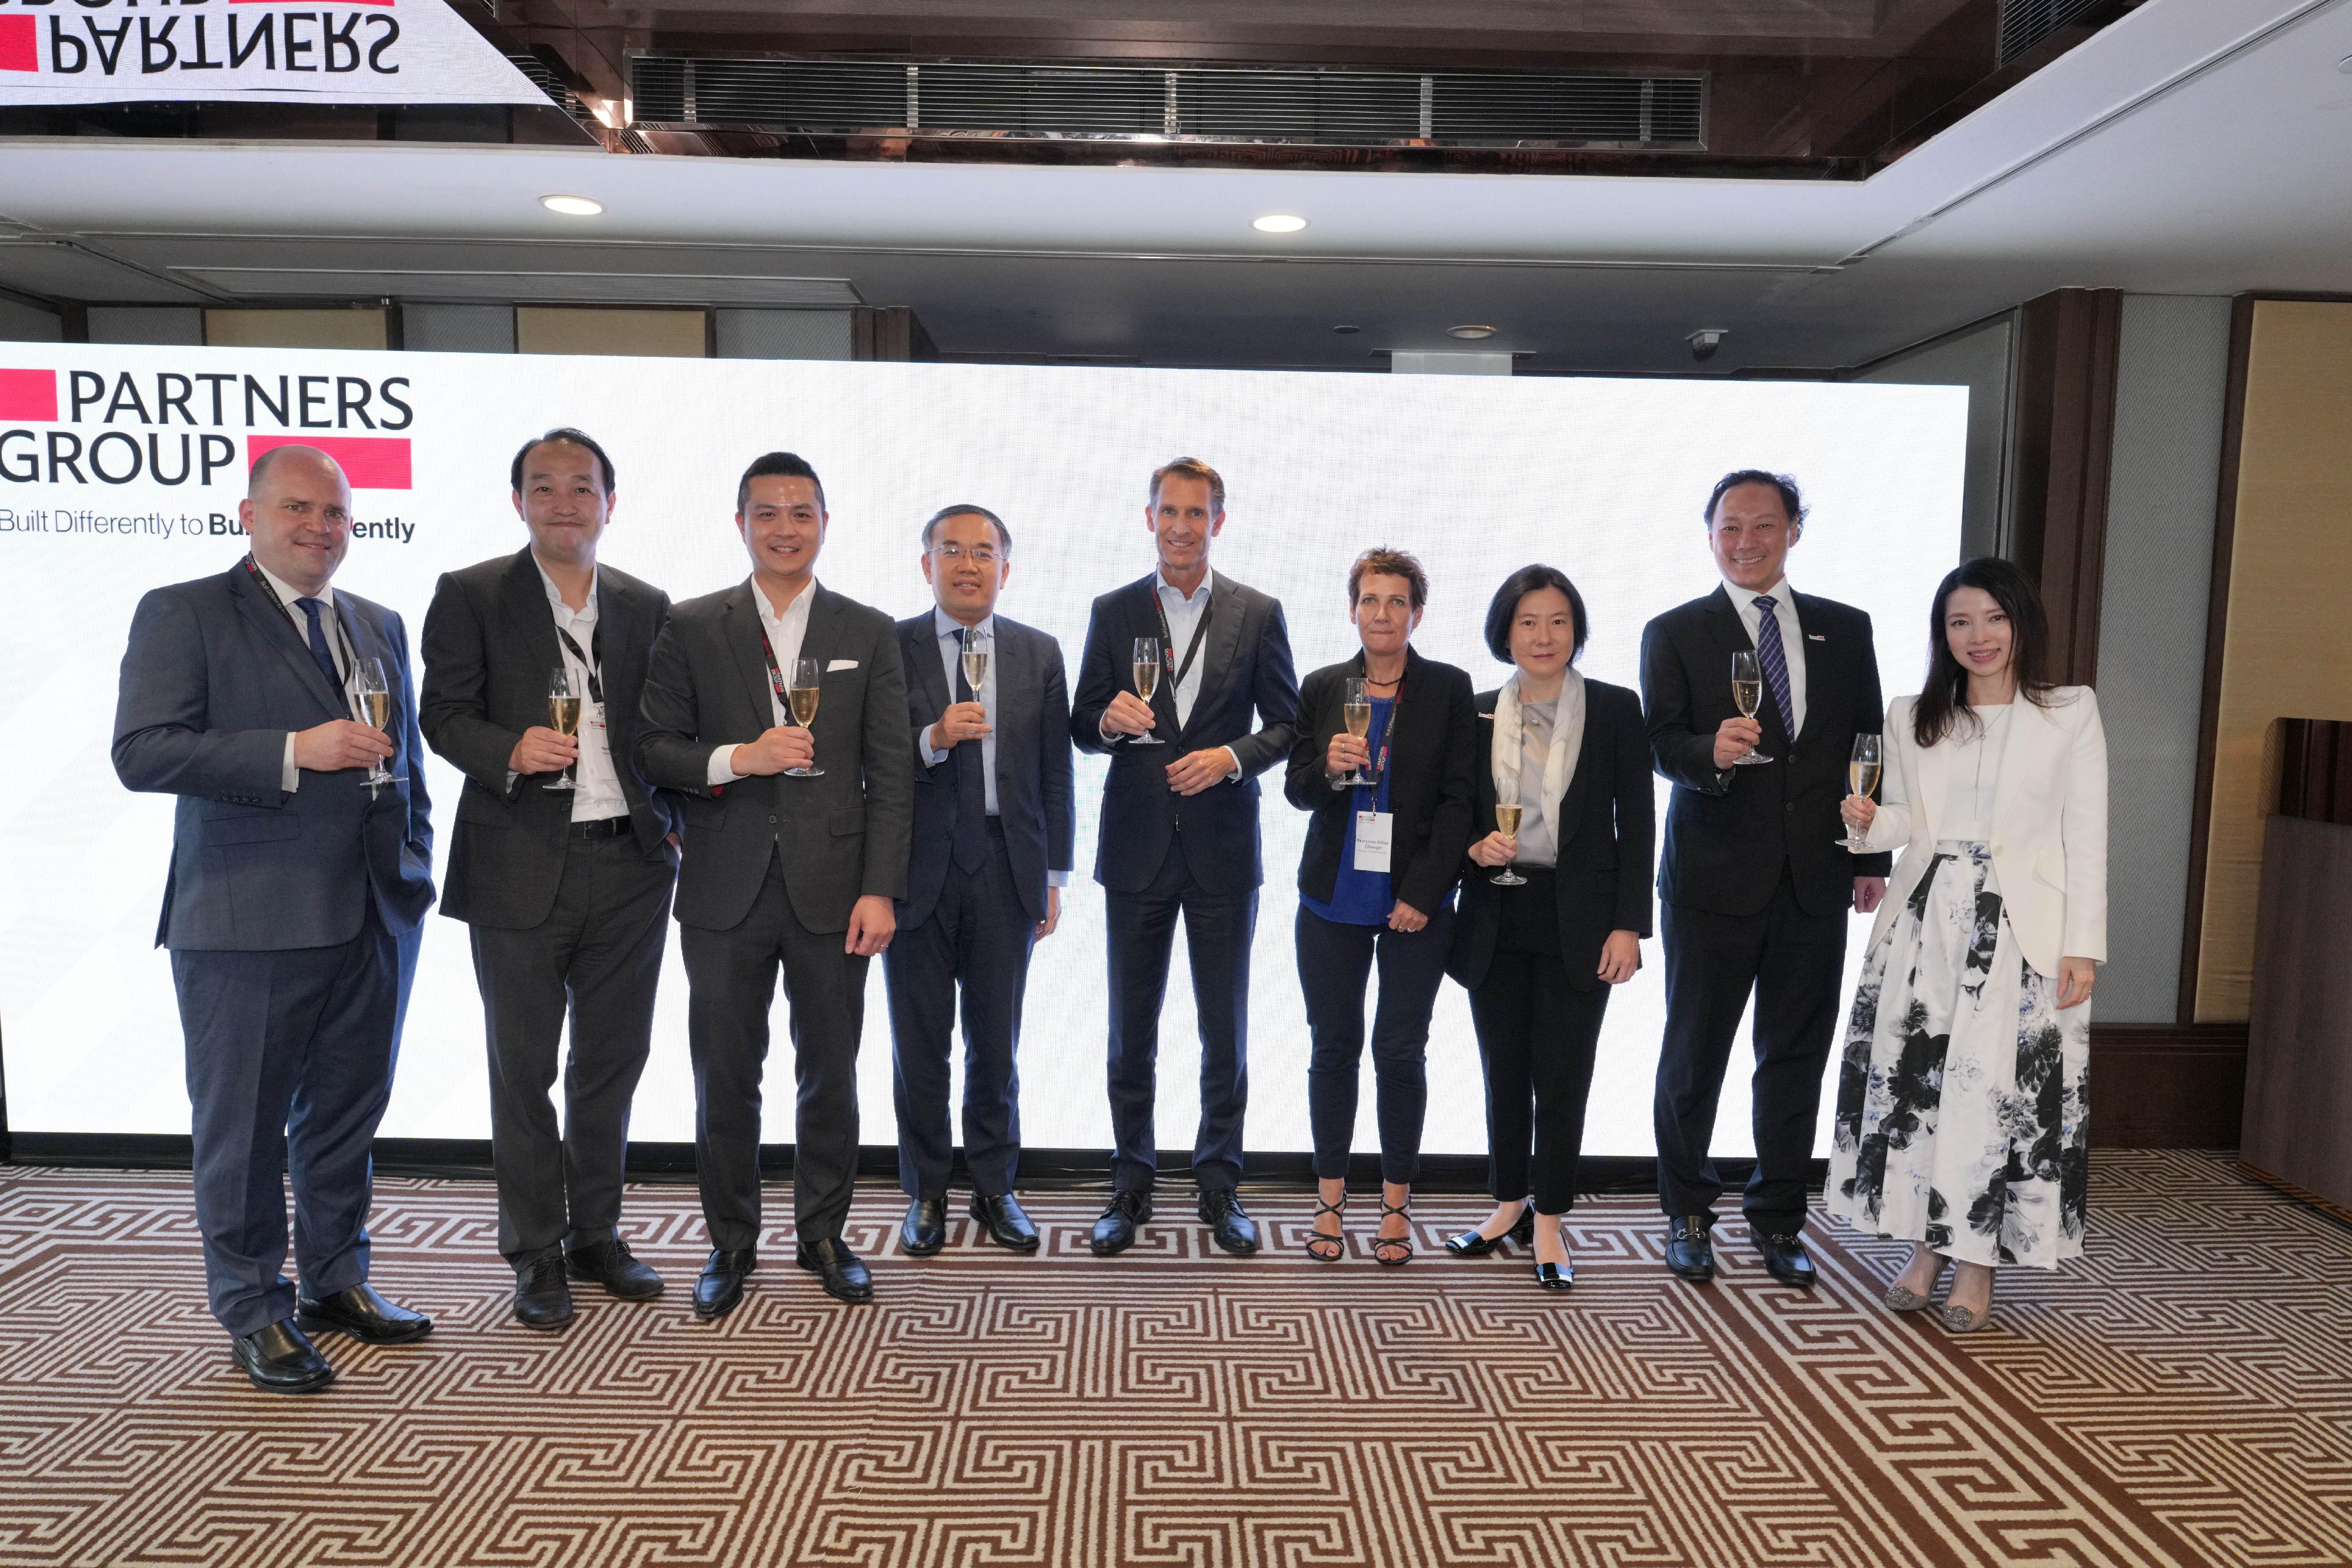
1794	963
1335	963
976	941
732	980
1538	1035
289	1059
1141	928
597	955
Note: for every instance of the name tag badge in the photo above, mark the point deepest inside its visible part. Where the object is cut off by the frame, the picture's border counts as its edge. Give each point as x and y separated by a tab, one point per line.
591	721
1373	832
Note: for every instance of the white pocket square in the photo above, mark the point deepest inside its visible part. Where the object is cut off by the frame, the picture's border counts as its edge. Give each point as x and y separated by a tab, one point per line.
840	664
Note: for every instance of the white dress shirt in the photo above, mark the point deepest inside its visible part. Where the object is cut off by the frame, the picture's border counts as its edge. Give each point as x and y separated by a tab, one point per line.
785	633
944	627
597	783
1184	612
289	777
1792	640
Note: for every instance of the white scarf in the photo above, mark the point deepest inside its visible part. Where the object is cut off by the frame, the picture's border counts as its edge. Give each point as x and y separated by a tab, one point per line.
1567	742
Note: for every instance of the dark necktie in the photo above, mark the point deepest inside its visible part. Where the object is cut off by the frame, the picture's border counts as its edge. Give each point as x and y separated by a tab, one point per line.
318	649
971	787
1774	660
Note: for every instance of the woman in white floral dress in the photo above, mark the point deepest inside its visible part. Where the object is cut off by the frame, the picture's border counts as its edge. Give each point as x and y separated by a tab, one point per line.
1964	1099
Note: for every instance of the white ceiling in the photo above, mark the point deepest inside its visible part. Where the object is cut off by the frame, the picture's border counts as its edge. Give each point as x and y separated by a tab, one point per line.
2196	146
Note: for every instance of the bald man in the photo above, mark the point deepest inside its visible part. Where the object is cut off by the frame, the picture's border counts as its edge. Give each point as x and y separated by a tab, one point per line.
297	893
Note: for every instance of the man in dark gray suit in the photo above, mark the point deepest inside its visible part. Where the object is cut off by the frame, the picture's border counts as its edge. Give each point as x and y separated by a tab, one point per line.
561	863
293	907
798	870
994	828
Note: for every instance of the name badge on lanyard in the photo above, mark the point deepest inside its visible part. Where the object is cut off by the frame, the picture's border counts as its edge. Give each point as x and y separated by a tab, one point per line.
1374	832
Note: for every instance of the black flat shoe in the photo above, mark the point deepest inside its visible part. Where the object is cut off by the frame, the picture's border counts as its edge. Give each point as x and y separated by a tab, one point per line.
364	1315
1555	1276
611	1265
925	1229
280	1359
1690	1252
1115	1231
719	1288
844	1277
1785	1258
1229	1225
1003	1221
1470	1244
542	1300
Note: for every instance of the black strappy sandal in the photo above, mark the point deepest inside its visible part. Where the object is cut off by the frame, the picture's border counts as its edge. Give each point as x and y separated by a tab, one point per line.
1317	1241
1393	1251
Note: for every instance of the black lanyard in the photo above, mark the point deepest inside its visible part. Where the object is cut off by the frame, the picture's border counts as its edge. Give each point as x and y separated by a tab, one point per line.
342	635
1168	639
776	678
595	641
1388	731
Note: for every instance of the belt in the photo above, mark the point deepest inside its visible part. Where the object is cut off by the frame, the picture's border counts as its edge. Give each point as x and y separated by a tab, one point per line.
603	828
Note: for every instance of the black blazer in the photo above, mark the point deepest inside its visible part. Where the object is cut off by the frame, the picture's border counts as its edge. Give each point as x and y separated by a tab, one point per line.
1247	679
1035	795
1730	830
1608	825
489	642
842	836
1430	783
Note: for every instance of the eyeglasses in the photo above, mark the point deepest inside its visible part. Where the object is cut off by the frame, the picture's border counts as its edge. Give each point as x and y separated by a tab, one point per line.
986	555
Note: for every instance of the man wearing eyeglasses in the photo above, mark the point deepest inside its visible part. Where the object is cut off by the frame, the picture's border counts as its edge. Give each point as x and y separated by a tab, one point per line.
995	824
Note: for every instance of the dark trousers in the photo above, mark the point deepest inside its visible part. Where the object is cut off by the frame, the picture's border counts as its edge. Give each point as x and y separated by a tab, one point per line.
1537	1038
597	956
289	1066
1218	928
732	978
1794	963
976	940
1335	967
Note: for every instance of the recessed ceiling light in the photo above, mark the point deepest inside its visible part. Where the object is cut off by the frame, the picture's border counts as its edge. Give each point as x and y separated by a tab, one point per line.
1278	224
571	207
1471	330
1344	330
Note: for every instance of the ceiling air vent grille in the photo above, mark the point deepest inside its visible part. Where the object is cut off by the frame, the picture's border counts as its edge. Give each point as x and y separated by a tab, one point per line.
1276	104
2026	23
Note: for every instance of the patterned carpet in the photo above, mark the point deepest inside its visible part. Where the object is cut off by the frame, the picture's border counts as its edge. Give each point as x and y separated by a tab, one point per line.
2183	1398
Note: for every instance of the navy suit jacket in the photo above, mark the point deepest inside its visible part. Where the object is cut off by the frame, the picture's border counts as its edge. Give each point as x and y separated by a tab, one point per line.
212	680
1035	794
1248	701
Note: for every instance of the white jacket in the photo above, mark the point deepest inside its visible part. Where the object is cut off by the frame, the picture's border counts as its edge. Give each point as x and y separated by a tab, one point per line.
2049	829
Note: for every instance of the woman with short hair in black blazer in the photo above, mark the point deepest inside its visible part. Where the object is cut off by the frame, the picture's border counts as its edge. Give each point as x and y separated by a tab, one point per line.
1538	953
1377	882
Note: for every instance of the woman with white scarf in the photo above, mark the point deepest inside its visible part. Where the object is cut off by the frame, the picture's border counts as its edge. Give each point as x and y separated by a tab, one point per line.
1539	954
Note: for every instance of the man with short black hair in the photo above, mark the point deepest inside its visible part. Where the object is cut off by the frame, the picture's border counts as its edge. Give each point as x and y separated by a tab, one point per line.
560	865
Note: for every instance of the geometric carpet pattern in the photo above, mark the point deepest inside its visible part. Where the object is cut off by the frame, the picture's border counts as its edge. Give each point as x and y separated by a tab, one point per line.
2181	1396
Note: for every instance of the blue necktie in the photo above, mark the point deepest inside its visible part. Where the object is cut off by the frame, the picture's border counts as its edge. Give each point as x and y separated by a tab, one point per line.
971	787
1774	660
318	649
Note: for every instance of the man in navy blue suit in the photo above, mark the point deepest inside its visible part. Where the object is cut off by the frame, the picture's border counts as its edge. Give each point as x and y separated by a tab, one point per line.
293	908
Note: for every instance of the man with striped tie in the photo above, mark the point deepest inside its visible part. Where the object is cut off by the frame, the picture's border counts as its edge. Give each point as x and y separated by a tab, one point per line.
1754	888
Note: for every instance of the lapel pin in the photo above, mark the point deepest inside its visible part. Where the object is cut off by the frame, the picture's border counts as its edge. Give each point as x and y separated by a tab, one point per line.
1815	637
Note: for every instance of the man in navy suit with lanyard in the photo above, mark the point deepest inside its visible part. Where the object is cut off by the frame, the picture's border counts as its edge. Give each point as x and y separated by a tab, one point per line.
299	881
1180	833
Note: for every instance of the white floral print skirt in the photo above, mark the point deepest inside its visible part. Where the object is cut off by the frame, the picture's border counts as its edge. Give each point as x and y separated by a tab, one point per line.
1963	1104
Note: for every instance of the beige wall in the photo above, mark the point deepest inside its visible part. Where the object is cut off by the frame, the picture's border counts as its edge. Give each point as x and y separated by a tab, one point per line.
2287	650
570	330
296	329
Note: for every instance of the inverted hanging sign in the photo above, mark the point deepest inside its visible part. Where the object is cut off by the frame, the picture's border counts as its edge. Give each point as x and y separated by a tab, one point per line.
253	51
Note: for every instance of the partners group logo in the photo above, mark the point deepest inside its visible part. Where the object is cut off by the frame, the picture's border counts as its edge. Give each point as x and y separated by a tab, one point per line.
76	444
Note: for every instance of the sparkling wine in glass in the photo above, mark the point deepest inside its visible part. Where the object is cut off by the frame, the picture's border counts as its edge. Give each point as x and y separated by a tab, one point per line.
1356	712
373	695
1146	680
1507	821
1748	696
975	661
1861	778
563	705
802	695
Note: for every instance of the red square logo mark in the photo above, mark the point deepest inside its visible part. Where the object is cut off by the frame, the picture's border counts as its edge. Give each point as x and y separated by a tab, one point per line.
28	394
369	462
19	51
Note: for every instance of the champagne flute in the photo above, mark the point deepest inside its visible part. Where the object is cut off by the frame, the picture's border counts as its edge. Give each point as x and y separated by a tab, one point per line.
1748	696
1861	778
975	661
373	694
1356	710
802	695
1507	820
563	704
1146	680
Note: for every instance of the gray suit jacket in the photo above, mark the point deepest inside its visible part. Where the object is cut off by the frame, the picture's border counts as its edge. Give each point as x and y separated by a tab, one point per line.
1035	797
212	680
843	835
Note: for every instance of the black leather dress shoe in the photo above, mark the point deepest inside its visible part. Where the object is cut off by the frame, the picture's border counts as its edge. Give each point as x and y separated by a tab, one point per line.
541	1299
364	1315
1005	1222
1785	1258
613	1266
1555	1276
925	1229
280	1359
1690	1251
844	1277
1115	1231
1229	1227
1470	1244
718	1291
